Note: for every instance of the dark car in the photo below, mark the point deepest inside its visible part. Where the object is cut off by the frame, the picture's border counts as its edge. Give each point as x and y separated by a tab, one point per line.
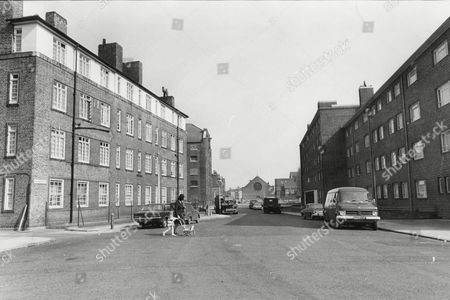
271	204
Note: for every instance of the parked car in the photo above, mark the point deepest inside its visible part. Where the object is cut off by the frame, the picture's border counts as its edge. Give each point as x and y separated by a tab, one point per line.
154	215
350	205
257	206
190	213
313	211
251	203
271	205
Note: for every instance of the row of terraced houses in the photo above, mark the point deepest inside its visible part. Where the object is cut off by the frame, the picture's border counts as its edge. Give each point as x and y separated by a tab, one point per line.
129	144
395	143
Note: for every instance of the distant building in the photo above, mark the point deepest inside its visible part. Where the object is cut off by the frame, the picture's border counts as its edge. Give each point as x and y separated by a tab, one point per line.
286	188
235	193
218	185
257	188
322	157
199	165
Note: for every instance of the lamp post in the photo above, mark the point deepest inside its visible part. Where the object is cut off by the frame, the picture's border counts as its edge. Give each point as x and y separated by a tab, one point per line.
219	181
369	115
321	153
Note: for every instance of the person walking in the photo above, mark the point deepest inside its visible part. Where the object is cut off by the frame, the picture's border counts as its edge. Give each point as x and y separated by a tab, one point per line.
179	207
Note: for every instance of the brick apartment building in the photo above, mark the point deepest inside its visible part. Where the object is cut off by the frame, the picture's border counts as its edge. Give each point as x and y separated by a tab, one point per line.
199	165
125	137
218	184
408	171
286	188
396	144
322	157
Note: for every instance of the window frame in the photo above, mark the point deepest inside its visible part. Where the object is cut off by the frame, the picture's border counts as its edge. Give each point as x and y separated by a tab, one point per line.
425	196
412	116
411	77
441	185
85	107
399	121
105	114
100	195
396	190
417	145
59	51
84	64
439	96
55	136
78	193
104	154
13	81
6	200
128	200
445	141
59	97
118	157
50	202
84	142
130	125
15	38
11	128
435	51
129	158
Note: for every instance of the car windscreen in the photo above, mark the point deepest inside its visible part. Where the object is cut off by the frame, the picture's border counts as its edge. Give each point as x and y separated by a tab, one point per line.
354	196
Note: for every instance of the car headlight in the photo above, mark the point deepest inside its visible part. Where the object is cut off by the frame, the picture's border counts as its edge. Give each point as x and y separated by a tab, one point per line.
342	212
375	213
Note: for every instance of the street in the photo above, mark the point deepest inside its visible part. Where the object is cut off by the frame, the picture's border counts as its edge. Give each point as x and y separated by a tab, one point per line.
241	257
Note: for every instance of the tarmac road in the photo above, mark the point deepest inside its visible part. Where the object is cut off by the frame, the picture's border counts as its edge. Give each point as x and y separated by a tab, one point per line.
245	256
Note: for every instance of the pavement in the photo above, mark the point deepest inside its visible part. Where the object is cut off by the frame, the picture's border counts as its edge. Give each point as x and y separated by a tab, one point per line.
437	229
36	236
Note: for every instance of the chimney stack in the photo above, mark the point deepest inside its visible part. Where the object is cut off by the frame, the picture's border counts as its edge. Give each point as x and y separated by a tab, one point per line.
56	21
325	104
112	54
133	69
8	10
365	93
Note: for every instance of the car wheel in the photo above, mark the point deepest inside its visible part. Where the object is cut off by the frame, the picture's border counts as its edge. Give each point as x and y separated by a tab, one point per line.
374	226
142	225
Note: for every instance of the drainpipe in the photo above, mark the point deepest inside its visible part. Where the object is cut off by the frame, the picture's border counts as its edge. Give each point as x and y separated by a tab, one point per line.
72	162
406	136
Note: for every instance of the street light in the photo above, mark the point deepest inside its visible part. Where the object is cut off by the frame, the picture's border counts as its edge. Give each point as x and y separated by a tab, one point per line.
219	181
321	153
369	114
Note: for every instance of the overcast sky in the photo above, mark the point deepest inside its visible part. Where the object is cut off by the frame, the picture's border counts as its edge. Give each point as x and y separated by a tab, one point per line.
261	104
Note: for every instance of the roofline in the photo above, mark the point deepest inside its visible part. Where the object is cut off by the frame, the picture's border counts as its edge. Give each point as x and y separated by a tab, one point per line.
326	108
416	54
38	19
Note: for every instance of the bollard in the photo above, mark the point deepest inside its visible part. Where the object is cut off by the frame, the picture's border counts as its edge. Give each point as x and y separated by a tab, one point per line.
112	220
